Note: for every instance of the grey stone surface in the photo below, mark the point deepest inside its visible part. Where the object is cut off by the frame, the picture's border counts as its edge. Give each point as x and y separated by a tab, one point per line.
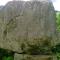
29	22
32	57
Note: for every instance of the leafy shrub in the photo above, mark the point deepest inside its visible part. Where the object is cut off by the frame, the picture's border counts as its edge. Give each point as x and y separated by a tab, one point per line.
56	49
58	20
6	55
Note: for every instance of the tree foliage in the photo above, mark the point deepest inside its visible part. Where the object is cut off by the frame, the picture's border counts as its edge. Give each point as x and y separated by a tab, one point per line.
6	55
58	20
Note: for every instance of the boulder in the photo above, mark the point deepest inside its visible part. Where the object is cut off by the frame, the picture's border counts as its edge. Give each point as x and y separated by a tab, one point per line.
27	23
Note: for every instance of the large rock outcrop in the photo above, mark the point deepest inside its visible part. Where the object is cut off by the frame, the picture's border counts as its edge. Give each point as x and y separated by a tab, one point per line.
27	23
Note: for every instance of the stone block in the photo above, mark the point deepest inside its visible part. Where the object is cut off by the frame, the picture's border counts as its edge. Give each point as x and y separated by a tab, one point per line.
32	57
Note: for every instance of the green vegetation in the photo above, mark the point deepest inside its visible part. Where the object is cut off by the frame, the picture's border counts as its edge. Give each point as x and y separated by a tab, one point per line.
6	55
56	49
58	20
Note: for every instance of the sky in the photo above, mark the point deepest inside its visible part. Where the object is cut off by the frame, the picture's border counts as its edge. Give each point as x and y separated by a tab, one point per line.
56	3
3	2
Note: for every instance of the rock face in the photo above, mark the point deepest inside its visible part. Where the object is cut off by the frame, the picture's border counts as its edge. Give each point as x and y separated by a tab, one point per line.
27	23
